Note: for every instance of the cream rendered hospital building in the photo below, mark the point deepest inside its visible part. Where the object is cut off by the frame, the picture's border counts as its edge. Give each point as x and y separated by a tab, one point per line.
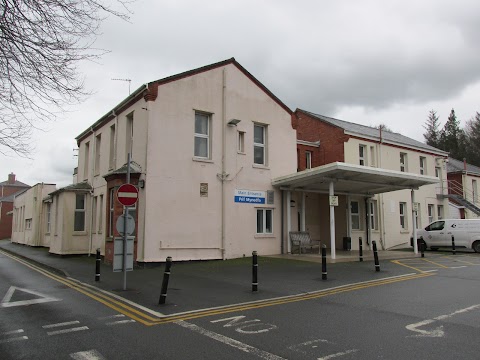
223	168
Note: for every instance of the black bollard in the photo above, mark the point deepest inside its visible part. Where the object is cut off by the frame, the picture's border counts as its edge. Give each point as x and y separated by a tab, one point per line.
254	271
324	262
454	252
422	248
375	256
97	266
166	277
360	243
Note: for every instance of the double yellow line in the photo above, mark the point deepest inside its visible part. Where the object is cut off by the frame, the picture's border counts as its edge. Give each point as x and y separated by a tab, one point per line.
149	317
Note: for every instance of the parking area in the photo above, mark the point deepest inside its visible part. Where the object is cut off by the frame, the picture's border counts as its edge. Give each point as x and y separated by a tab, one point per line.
434	262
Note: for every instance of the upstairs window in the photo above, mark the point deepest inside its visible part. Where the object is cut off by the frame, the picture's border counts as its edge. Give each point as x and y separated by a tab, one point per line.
403	162
362	155
260	144
308	159
241	142
423	165
202	136
98	151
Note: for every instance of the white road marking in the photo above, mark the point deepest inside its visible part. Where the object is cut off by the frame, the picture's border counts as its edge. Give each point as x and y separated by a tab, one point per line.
111	317
8	296
65	331
312	344
338	354
120	322
60	324
19	331
229	341
437	332
87	355
14	339
458	267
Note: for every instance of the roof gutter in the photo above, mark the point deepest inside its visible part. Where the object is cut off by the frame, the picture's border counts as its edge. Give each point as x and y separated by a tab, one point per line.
113	111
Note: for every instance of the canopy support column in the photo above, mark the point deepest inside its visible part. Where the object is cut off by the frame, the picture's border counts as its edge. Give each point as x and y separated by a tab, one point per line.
302	214
414	225
332	222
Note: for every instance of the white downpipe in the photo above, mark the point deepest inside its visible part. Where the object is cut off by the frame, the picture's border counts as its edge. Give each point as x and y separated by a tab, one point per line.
302	215
332	223
415	245
349	217
289	221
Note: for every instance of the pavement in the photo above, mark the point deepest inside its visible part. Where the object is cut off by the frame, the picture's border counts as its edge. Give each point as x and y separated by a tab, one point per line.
196	285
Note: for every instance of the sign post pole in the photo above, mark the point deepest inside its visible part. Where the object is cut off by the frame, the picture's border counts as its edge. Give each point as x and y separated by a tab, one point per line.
125	232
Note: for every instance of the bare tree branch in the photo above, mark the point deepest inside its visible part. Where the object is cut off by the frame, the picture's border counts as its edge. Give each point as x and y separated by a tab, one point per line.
42	43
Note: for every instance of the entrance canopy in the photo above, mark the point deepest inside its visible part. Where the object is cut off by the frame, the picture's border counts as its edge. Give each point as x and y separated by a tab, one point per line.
352	179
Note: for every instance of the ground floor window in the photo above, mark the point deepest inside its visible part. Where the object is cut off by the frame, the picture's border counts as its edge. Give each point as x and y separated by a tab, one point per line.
403	218
373	215
439	212
431	209
264	221
79	223
355	214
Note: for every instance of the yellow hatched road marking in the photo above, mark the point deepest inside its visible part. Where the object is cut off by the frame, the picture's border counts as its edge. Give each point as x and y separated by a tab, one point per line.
145	318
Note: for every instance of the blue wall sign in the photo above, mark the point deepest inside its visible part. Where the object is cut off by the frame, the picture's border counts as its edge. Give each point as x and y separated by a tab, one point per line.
250	196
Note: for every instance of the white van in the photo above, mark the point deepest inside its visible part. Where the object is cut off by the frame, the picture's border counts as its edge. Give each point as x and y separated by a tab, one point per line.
439	234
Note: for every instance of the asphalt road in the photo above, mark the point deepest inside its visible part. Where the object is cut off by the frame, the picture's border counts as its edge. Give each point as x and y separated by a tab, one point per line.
434	313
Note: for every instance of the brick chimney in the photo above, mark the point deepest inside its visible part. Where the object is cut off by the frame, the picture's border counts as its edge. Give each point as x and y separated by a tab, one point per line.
11	178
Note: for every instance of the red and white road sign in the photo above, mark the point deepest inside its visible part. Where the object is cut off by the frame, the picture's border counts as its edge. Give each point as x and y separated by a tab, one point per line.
127	194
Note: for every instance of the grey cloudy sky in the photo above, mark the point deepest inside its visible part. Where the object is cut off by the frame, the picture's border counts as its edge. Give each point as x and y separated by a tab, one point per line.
371	62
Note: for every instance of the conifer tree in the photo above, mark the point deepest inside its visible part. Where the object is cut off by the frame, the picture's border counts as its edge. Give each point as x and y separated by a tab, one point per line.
432	127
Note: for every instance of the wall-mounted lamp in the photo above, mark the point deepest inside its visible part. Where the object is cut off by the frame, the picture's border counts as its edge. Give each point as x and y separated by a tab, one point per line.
141	184
233	122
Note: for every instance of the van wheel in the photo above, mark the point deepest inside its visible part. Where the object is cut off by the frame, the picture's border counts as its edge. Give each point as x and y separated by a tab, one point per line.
476	246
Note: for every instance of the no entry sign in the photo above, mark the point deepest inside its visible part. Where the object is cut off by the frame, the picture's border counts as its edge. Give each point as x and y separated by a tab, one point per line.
127	194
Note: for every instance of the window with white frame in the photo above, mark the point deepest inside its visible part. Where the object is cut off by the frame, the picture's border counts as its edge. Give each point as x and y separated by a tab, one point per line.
373	215
129	136
423	165
264	221
80	206
372	156
437	172
260	144
431	215
403	162
86	160
355	214
474	191
362	155
100	214
439	212
111	160
98	151
111	209
403	216
28	224
202	135
48	217
94	215
241	142
308	159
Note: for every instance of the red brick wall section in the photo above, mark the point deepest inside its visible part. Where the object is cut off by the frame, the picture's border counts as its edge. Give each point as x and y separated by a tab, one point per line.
456	179
331	139
6	221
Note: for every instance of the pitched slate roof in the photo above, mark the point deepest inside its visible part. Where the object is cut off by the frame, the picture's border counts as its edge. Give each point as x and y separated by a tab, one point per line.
8	198
15	184
80	187
455	165
134	169
371	132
